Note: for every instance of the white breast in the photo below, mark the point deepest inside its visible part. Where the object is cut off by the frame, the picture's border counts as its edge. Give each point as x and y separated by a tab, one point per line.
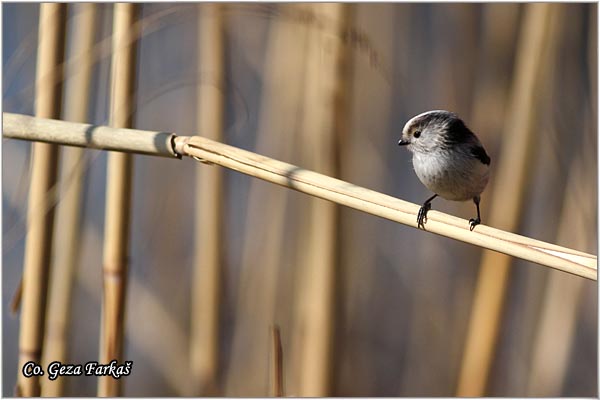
452	177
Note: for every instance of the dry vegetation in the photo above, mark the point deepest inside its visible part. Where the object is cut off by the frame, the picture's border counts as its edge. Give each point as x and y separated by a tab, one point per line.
216	283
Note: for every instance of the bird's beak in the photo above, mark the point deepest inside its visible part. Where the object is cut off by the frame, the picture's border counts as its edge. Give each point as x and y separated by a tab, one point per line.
403	142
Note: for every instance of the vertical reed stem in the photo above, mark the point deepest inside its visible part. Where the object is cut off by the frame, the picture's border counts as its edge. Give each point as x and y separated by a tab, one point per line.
209	212
40	216
554	337
323	85
118	196
66	250
276	363
556	331
510	183
265	243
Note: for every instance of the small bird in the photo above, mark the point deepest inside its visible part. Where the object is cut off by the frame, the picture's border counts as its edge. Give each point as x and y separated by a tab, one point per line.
448	159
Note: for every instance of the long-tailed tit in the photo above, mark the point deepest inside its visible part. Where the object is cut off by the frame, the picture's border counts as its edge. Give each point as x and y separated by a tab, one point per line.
448	158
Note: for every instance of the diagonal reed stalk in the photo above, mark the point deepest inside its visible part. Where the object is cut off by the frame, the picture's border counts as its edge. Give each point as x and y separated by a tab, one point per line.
68	214
118	197
369	201
325	187
206	281
36	269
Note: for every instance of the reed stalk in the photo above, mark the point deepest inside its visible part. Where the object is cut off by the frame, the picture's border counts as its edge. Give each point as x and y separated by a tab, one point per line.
555	336
492	89
276	363
323	87
262	274
103	48
25	127
369	201
344	193
140	341
40	217
206	281
510	182
118	197
555	333
67	227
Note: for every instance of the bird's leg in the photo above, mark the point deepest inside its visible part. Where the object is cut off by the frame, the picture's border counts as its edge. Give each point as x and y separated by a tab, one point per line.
475	221
422	216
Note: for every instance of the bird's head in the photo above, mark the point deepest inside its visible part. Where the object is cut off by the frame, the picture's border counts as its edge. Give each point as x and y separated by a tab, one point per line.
432	131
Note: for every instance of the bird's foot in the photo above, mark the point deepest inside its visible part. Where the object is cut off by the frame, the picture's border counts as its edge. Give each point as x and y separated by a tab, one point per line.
473	222
422	216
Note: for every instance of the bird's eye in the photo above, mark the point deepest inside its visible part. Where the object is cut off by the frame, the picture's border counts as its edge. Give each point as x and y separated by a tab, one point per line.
417	134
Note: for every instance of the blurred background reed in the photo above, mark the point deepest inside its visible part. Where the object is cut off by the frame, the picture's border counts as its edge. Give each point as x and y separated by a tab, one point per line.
364	306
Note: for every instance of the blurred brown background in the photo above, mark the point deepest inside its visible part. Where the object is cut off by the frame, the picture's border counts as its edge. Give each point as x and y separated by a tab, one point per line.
328	88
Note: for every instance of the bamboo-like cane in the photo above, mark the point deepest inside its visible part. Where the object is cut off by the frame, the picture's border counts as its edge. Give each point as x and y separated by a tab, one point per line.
262	275
77	91
321	114
561	258
25	127
103	48
499	33
276	363
204	336
40	219
118	197
510	181
556	331
554	336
